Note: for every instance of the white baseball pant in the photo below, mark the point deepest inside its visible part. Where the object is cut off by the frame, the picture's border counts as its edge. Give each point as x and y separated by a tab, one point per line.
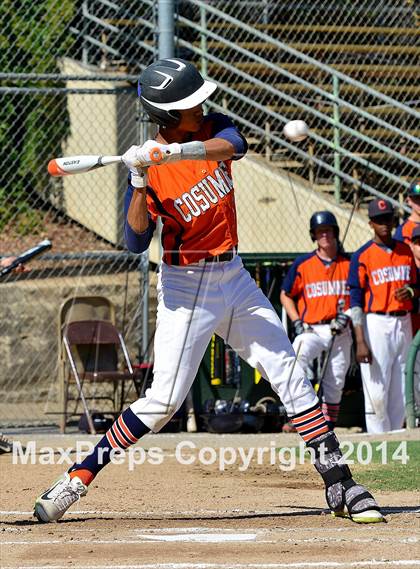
312	346
389	339
193	303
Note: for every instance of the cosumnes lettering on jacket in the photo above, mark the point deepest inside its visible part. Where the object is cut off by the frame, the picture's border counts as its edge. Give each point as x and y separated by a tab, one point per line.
326	288
199	198
391	274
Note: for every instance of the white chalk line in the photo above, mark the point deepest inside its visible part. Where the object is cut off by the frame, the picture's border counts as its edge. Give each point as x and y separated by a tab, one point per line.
298	565
173	513
231	513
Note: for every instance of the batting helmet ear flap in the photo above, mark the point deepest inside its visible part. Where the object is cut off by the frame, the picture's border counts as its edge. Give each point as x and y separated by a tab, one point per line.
162	118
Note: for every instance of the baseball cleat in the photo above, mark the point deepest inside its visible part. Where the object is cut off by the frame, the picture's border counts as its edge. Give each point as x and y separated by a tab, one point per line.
367	517
5	444
52	504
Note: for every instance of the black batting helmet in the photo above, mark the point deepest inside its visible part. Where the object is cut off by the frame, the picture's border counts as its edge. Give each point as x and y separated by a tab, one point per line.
171	85
323	218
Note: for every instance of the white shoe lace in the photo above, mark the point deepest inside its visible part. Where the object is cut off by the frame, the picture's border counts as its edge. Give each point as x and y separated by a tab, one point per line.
64	496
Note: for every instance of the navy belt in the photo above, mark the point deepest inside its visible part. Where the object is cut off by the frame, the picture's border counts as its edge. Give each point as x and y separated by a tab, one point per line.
392	313
226	256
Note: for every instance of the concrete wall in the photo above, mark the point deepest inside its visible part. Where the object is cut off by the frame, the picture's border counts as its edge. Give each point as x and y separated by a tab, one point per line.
100	124
274	209
29	337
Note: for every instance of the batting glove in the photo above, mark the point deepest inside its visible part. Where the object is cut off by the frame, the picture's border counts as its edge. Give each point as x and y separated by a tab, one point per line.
339	323
152	153
298	327
130	157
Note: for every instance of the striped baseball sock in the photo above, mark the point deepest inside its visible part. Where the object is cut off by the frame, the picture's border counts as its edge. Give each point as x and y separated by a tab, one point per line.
125	431
310	423
331	411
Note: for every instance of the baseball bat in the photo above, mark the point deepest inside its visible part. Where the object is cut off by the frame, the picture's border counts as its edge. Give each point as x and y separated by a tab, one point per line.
317	386
26	256
191	419
215	377
89	162
257	375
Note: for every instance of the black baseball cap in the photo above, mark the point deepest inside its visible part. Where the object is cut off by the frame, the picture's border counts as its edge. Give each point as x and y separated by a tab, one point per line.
378	207
414	189
416	232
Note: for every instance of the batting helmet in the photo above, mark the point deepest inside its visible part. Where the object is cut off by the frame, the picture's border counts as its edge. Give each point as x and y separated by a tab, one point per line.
171	85
414	189
323	218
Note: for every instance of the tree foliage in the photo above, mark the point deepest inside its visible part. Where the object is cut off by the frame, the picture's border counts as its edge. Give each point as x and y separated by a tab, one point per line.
33	124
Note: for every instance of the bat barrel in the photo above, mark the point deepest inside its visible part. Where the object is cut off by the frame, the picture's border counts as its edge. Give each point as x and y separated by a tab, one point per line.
79	164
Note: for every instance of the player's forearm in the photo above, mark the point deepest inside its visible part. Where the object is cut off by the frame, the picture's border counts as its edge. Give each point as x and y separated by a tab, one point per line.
359	334
137	217
219	149
289	305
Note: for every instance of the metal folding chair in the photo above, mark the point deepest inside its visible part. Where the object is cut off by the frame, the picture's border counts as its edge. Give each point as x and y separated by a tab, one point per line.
92	351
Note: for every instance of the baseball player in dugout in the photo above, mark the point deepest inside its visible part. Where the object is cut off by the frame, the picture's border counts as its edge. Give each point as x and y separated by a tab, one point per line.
316	298
404	231
383	283
203	287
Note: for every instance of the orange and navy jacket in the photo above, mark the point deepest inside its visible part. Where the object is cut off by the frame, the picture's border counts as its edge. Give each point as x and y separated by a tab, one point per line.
404	231
376	272
195	199
317	286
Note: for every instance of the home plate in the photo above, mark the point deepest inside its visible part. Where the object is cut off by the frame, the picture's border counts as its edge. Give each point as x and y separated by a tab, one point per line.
200	537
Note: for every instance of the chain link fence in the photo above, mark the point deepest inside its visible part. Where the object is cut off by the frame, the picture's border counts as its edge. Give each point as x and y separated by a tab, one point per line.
68	87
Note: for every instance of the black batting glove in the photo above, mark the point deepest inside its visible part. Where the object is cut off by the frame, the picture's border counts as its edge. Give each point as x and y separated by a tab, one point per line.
298	327
339	323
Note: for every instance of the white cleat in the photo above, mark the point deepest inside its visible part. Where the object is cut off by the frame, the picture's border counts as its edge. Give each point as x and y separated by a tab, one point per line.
366	517
52	504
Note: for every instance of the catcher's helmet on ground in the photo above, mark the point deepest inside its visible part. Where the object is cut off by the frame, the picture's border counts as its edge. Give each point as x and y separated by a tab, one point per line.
171	85
323	218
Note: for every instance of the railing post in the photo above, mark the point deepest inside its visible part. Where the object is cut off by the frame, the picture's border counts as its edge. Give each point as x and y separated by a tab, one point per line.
166	27
85	49
203	40
337	157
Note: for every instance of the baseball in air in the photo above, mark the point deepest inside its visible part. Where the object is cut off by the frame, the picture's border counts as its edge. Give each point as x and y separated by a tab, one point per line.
296	130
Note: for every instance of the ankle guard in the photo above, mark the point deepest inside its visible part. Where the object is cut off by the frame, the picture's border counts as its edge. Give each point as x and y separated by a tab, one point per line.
341	490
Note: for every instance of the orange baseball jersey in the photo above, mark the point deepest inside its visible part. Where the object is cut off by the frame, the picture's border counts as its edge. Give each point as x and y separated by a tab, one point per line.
376	272
405	231
317	286
195	200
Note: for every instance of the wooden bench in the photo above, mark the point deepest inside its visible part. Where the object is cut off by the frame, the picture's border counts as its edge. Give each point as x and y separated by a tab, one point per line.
322	28
350	69
268	47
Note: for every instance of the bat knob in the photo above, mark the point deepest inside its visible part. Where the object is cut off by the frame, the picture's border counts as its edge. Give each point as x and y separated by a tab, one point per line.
53	168
156	154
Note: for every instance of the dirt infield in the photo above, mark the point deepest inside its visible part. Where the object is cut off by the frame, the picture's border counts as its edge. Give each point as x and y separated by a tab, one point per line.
184	517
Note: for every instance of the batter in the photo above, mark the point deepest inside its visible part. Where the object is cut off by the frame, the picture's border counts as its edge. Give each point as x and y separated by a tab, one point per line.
203	287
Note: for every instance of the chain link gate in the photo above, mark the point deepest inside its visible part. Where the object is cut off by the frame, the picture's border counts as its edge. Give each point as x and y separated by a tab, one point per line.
68	86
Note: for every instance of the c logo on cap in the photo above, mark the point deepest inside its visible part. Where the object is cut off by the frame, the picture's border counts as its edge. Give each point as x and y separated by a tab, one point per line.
382	204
